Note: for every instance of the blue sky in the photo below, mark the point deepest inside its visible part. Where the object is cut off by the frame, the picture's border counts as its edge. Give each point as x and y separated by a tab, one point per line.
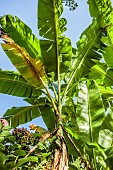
26	10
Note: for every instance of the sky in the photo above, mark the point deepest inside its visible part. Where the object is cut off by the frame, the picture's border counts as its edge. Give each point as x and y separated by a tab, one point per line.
26	10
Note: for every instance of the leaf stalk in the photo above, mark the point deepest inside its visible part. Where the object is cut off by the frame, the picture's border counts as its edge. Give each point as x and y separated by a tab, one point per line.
59	121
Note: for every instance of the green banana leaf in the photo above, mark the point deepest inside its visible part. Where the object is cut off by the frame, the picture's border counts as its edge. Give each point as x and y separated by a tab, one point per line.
93	42
49	13
108	56
98	73
71	127
108	80
51	26
108	121
100	10
46	111
48	49
109	160
106	132
13	83
87	54
31	69
90	111
21	115
21	34
24	114
103	12
102	74
105	138
104	78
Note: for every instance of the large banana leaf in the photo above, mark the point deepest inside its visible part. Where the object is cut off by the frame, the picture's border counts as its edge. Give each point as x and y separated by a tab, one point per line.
14	84
21	115
49	13
106	132
108	121
108	56
102	74
92	43
104	78
105	138
38	107
104	15
100	9
51	26
85	57
90	111
98	73
103	11
31	69
21	34
46	111
49	54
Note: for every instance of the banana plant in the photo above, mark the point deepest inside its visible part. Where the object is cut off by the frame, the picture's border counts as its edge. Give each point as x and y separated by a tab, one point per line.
71	89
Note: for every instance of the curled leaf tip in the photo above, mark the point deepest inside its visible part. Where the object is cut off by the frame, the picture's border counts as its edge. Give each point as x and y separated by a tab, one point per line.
6	38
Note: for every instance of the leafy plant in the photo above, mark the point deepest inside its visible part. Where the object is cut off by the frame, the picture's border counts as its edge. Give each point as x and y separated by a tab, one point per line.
71	89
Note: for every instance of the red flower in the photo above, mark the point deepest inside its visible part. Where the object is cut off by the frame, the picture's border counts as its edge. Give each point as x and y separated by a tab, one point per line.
4	122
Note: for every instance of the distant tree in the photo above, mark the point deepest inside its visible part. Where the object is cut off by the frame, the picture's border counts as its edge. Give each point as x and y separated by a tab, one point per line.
70	3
